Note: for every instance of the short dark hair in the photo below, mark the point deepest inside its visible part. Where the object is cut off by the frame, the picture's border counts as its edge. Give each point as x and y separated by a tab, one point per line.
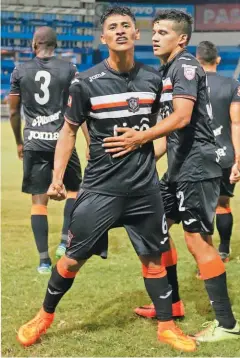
182	20
117	10
207	52
46	37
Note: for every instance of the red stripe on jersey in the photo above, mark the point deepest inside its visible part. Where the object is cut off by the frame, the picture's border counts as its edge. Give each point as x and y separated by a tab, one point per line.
167	87
120	104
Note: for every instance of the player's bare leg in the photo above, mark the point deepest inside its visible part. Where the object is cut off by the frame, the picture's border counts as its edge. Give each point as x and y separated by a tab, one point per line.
169	261
213	273
71	196
60	282
39	222
160	292
224	223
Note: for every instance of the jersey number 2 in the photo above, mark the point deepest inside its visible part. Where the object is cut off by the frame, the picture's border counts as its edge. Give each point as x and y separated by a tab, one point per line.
43	99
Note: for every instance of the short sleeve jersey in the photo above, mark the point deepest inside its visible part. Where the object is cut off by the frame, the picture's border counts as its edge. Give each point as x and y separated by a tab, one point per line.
42	84
107	99
223	91
192	152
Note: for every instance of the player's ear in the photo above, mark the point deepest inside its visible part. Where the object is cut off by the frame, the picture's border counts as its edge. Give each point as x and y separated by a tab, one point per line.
103	41
218	60
137	34
183	39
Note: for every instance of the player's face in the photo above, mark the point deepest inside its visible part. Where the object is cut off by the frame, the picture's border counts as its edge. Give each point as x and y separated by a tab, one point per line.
119	33
165	40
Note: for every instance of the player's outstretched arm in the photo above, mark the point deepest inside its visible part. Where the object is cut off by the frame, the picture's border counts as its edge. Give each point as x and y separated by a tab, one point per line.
63	152
131	139
235	124
15	120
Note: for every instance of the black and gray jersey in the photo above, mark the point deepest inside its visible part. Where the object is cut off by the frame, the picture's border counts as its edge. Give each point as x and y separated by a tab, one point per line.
192	151
107	99
42	84
223	91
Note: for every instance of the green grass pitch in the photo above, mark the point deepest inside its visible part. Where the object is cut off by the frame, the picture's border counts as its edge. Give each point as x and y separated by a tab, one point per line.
96	317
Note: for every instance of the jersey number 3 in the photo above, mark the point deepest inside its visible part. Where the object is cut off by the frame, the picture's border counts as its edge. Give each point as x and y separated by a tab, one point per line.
43	97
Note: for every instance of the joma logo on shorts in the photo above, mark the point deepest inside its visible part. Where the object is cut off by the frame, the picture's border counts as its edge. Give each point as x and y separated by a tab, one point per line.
43	135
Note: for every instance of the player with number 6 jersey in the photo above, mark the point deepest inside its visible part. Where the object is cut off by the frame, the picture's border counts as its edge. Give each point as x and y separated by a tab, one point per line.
41	86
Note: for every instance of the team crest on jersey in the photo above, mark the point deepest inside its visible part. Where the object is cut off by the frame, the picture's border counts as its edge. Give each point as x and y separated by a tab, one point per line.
189	72
133	104
69	101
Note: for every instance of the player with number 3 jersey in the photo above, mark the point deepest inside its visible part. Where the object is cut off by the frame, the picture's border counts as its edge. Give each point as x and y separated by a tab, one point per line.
40	86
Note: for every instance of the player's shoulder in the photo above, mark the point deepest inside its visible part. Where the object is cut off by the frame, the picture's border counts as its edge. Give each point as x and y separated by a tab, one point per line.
148	69
149	74
83	79
93	73
187	59
187	64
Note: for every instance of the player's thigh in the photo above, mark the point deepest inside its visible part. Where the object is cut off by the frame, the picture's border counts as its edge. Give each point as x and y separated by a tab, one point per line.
37	171
92	216
73	174
197	202
226	188
145	222
168	192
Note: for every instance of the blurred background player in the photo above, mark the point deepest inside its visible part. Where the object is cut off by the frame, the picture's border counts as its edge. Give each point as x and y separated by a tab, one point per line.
225	100
191	186
41	87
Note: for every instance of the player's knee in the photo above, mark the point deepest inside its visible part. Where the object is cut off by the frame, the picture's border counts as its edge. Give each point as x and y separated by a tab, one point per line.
223	202
68	267
193	241
153	271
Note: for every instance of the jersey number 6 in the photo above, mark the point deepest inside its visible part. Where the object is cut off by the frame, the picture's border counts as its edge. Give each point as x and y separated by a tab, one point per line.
43	99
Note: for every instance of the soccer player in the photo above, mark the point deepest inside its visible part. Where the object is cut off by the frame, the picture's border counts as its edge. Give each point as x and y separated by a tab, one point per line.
225	100
191	186
124	191
41	86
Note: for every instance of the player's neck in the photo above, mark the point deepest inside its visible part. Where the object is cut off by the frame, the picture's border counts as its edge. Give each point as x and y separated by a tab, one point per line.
44	53
170	56
210	68
122	62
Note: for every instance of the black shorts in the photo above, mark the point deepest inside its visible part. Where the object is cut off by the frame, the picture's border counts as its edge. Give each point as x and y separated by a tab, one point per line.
193	203
94	214
37	172
226	188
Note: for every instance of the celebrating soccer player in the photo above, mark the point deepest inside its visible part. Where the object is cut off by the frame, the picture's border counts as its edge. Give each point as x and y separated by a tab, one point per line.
191	186
125	191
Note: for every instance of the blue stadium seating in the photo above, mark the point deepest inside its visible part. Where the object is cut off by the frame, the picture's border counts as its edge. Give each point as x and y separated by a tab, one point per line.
229	54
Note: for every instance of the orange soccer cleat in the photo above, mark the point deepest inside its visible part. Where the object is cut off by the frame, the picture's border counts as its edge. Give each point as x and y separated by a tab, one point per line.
148	311
170	333
31	331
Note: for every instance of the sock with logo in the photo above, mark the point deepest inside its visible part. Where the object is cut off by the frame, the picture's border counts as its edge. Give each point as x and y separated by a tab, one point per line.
169	261
160	292
224	223
60	282
214	276
217	291
67	212
39	222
